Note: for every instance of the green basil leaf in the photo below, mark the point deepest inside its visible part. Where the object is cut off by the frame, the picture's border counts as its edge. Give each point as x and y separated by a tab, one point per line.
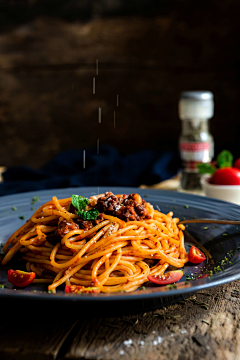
79	202
205	168
88	215
74	199
224	159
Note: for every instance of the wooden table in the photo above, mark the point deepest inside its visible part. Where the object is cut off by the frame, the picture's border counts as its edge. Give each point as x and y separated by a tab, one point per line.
184	331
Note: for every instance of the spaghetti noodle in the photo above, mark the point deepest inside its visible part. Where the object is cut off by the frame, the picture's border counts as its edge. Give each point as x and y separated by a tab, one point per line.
117	251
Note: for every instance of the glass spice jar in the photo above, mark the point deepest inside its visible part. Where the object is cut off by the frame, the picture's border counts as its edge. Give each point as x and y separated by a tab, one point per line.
196	143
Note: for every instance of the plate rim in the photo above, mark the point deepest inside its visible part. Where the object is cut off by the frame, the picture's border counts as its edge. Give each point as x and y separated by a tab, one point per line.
143	295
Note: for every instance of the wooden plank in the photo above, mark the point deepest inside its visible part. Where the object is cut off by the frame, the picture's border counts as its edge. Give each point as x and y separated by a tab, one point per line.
60	108
31	336
17	11
177	332
46	71
206	326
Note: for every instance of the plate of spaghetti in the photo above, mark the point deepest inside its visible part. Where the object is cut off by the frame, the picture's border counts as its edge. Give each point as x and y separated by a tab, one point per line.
113	244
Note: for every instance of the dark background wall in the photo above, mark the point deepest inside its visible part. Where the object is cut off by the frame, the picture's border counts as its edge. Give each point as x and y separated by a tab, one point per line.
148	51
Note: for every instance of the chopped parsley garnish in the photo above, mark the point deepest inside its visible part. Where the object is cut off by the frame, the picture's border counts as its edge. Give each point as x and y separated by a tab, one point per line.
1	286
217	269
22	217
206	228
14	208
80	203
186	206
88	215
35	199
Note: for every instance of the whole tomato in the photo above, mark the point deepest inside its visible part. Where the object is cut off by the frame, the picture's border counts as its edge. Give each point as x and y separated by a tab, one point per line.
226	176
237	164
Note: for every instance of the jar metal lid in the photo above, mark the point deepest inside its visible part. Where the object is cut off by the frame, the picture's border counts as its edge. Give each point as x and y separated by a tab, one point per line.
196	105
196	95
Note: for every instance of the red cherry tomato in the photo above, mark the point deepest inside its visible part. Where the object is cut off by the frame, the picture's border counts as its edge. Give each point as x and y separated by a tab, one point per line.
167	278
20	278
81	289
226	176
237	164
196	256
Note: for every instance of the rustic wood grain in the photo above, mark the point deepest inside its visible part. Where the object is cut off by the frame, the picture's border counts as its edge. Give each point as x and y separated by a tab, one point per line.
47	65
177	332
205	326
27	336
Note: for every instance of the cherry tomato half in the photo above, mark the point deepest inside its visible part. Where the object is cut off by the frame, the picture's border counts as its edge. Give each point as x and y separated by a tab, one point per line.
203	276
81	289
226	176
237	164
196	256
20	278
167	278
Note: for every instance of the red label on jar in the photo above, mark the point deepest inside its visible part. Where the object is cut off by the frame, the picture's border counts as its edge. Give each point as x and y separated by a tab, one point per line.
193	153
194	147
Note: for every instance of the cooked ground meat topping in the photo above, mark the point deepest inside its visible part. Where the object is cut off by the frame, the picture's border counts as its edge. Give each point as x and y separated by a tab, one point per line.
89	224
126	207
84	224
64	227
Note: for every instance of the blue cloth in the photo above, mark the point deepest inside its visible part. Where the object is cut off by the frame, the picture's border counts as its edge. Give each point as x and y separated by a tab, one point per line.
108	168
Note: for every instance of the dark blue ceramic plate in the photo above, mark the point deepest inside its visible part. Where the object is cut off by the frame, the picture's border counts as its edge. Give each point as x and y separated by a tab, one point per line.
218	239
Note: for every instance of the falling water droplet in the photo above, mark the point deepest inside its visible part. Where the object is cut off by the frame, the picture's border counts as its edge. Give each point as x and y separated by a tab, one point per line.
84	159
99	115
